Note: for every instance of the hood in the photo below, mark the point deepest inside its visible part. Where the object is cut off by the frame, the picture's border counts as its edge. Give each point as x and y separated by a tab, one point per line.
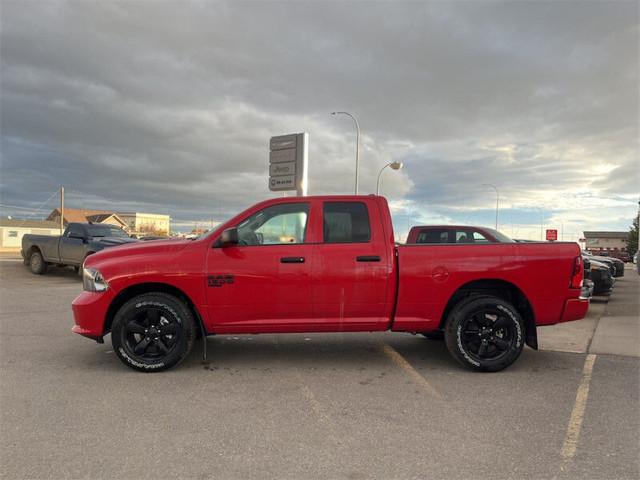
596	263
111	241
128	249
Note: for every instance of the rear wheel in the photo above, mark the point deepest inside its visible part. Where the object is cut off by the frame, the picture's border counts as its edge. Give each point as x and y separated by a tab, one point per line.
484	333
37	264
153	332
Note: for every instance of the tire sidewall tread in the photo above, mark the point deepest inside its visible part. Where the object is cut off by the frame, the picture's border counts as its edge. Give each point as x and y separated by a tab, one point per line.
170	305
456	319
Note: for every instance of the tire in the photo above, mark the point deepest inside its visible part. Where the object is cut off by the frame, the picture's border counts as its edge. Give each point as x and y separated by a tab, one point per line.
153	332
484	333
37	264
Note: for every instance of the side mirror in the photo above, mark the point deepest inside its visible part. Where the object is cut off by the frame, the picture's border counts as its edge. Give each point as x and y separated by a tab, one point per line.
229	237
76	235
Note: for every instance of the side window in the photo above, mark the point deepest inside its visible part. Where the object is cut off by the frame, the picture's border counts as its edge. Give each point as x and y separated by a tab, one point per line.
463	236
433	235
76	230
276	225
480	238
346	222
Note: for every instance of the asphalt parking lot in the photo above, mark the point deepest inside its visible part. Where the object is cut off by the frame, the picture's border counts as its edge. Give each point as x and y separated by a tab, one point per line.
352	406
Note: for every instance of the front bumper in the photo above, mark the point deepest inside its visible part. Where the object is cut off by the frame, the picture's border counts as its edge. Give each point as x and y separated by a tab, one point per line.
90	312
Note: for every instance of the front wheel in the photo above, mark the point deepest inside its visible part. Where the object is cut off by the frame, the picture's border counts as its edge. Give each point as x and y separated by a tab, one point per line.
153	332
484	333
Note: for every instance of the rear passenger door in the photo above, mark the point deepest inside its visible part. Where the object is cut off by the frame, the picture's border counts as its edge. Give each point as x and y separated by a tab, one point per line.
351	269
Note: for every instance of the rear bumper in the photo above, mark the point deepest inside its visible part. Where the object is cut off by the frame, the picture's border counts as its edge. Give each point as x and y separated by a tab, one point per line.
89	312
575	309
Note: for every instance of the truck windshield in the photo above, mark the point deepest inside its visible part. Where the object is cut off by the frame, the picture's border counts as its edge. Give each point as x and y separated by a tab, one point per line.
106	231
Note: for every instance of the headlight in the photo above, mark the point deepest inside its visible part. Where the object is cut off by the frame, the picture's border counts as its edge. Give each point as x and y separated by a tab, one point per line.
94	281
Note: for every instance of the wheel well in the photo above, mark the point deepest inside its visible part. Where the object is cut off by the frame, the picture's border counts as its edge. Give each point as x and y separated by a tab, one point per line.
135	290
28	253
500	289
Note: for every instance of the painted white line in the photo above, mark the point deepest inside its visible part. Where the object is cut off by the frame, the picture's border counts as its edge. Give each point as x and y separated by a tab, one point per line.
577	415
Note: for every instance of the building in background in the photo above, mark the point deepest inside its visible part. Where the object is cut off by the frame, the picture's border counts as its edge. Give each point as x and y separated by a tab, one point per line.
85	216
12	231
139	224
599	242
147	223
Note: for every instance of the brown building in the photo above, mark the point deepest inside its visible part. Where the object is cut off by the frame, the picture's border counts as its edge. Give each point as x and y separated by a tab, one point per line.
84	216
598	242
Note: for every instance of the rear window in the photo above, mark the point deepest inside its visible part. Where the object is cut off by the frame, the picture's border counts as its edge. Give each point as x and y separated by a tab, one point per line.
433	235
106	231
346	222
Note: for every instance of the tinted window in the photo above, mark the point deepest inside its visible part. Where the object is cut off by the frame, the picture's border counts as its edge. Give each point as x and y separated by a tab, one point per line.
464	236
501	237
480	238
75	230
346	222
106	231
278	224
434	235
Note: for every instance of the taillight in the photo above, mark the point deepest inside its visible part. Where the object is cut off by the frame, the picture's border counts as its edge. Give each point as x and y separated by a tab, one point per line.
578	273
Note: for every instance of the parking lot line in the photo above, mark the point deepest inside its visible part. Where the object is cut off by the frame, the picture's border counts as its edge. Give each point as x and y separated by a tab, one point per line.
577	415
406	366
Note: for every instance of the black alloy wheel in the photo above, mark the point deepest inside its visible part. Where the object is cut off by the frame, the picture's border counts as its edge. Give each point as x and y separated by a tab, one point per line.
485	333
153	332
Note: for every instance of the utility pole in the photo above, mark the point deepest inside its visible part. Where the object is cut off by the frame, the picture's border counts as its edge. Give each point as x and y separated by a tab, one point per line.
61	211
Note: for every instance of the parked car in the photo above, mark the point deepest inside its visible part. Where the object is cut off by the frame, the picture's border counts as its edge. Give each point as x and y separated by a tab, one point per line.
616	266
587	288
325	264
600	275
78	241
433	234
624	256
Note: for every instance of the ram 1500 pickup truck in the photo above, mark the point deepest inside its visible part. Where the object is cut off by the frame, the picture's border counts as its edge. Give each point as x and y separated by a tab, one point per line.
325	264
455	234
78	241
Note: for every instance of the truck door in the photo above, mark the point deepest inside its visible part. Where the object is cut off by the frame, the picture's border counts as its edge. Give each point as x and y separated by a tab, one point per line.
264	283
351	269
70	247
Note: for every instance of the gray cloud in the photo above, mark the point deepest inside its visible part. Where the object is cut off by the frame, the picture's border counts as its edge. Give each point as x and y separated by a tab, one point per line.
168	106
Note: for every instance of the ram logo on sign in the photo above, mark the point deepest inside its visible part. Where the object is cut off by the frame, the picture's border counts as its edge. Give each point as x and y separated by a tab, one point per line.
288	163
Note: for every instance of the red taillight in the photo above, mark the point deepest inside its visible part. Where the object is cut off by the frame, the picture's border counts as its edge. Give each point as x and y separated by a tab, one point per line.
578	273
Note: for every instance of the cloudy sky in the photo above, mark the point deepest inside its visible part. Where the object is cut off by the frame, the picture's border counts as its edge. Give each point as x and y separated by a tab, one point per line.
168	107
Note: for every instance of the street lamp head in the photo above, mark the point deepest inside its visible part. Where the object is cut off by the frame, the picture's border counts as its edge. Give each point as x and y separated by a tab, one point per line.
396	165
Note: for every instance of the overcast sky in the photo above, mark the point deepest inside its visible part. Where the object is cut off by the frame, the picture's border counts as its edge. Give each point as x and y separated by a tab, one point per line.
168	107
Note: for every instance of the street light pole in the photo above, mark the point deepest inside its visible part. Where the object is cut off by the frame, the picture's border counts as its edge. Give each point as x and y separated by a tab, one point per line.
394	166
357	144
497	200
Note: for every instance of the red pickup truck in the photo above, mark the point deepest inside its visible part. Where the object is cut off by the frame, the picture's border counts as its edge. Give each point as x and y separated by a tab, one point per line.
325	264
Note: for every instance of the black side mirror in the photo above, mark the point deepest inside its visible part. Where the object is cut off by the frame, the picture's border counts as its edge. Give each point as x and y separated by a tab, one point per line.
229	237
76	235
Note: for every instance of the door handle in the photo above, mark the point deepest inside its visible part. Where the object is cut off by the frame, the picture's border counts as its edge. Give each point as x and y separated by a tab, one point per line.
368	258
292	260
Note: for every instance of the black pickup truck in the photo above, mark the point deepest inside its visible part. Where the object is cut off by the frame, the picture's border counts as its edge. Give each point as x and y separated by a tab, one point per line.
78	242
